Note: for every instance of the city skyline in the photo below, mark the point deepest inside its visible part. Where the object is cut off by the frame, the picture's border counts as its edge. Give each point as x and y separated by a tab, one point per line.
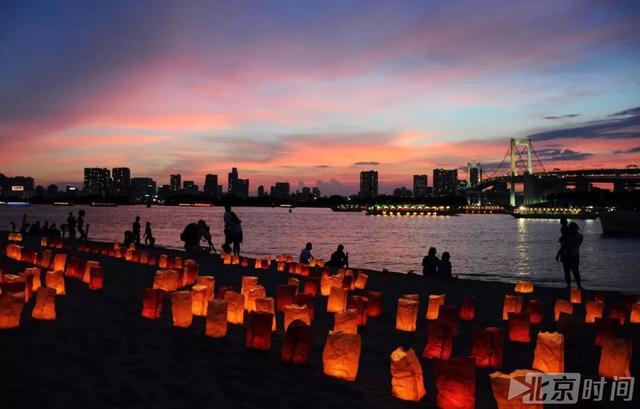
199	90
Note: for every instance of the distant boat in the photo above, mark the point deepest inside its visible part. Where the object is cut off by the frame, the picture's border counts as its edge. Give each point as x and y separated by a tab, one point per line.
553	213
620	222
62	204
103	204
411	210
348	208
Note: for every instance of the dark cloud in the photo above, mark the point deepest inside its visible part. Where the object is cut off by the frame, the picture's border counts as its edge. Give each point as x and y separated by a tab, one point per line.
323	166
567	116
561	155
366	163
617	126
632	150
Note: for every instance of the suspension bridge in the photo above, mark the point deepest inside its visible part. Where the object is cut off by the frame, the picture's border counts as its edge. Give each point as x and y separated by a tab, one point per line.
521	165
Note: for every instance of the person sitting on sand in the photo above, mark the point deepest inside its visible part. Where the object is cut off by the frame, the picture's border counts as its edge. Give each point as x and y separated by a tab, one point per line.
204	232
339	258
149	240
430	263
191	237
305	254
444	267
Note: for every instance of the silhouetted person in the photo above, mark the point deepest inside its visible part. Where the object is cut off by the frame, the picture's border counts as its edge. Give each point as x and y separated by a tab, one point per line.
35	230
191	237
339	258
63	230
128	238
236	233
149	240
204	234
82	229
570	246
444	267
13	227
228	227
53	231
71	226
305	254
430	263
45	228
24	227
564	230
135	230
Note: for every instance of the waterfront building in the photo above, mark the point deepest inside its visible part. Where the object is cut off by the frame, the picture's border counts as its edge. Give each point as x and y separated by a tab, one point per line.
368	184
420	185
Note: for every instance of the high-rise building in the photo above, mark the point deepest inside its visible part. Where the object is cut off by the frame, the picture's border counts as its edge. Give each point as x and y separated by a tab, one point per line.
121	180
211	185
261	191
474	174
368	184
420	185
175	182
316	191
143	189
190	186
97	180
280	191
445	181
238	187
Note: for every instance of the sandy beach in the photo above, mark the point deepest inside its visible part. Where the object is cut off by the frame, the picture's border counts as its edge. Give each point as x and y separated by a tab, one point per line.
100	352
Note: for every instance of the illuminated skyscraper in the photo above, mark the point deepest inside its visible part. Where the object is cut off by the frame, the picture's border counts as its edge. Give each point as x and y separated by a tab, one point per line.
420	185
368	184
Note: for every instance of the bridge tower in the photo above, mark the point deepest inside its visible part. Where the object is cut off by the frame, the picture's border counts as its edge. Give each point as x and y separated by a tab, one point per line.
514	168
474	177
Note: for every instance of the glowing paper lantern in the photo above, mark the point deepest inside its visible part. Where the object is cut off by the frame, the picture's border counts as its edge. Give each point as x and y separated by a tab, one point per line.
45	308
250	297
615	357
501	384
14	236
304	270
15	284
235	309
524	287
259	330
360	304
10	310
152	301
177	263
549	353
248	282
221	291
635	313
73	269
55	280
43	241
346	321
199	300
181	305
619	311
468	309
347	282
487	346
519	327
593	310
535	308
59	261
45	259
35	272
163	262
337	301
258	264
341	355
407	382
576	295
439	340
294	282
86	275
235	260
455	382
407	314
303	299
96	278
216	325
562	306
433	306
281	266
326	283
244	262
605	328
512	303
209	282
361	281
167	280
285	295
190	271
297	343
374	308
293	312
266	304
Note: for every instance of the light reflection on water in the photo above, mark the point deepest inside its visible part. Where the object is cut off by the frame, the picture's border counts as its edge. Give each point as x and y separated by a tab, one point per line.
493	247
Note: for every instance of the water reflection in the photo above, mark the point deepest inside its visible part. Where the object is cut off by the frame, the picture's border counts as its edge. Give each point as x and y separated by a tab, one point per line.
522	249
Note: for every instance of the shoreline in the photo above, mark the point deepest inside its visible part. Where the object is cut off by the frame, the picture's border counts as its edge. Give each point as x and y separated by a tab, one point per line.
101	353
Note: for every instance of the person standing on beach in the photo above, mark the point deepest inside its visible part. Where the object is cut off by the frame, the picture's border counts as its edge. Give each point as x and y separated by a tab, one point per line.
430	263
228	227
82	230
236	233
71	226
305	254
149	240
135	230
24	227
564	231
570	256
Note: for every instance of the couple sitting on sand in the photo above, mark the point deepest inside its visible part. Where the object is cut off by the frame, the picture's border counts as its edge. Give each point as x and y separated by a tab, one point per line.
434	267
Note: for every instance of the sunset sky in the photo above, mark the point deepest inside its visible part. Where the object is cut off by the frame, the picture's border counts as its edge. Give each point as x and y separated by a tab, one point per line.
314	92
